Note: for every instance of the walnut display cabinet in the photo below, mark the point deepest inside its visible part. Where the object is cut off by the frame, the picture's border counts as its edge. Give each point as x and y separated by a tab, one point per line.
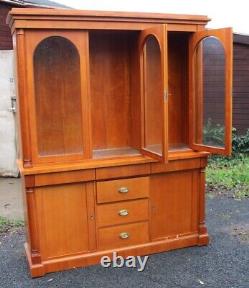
115	129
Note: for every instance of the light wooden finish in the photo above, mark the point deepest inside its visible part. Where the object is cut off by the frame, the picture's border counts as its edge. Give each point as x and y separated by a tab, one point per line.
22	101
54	210
122	171
98	164
105	113
122	212
110	64
109	238
178	217
110	191
177	92
154	91
203	235
51	19
64	177
176	166
83	121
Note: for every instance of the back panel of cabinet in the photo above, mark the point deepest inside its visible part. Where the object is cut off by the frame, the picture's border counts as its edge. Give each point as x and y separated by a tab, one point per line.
178	98
114	92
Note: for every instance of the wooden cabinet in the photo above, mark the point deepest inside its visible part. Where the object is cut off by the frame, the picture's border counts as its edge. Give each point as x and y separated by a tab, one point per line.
115	130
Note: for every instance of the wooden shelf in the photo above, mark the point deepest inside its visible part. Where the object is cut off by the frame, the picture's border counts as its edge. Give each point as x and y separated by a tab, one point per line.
179	148
115	152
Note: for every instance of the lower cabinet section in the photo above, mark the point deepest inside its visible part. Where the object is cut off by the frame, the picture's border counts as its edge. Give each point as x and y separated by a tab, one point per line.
123	235
75	224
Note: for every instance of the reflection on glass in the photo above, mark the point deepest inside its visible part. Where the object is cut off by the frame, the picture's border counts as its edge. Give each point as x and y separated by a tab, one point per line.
210	92
58	97
153	95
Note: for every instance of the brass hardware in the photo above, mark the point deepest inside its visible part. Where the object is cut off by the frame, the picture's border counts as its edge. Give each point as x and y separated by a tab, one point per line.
123	212
124	235
123	190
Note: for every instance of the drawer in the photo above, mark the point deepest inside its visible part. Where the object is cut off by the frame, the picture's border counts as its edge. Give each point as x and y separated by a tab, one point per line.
122	189
123	235
64	177
122	212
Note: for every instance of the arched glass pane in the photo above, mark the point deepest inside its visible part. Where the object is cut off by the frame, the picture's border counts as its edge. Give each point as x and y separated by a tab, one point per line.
153	92
210	92
58	97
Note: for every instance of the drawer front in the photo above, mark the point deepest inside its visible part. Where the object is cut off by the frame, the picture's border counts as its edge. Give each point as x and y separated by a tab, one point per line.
123	235
64	177
122	212
122	189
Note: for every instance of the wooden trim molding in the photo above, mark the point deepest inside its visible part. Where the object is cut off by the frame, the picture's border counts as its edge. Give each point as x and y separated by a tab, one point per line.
19	13
34	245
203	235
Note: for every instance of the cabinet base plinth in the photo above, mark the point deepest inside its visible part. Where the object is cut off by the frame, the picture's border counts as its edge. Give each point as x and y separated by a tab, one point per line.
36	270
93	258
203	240
203	235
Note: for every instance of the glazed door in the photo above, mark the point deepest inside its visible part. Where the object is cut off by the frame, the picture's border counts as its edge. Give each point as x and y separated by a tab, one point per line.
210	58
57	85
154	90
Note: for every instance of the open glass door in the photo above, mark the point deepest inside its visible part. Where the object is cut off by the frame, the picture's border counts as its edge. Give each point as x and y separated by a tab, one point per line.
210	91
154	102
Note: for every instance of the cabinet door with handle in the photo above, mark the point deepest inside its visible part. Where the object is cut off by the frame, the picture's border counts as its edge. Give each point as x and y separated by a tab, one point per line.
210	91
154	89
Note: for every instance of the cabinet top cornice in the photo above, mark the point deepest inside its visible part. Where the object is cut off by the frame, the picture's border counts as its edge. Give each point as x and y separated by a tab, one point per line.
34	14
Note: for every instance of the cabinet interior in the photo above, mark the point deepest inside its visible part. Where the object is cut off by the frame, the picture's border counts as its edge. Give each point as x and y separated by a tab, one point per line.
178	90
115	98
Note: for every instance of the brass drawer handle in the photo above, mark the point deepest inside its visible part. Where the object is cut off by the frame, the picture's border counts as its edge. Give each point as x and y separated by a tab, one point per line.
124	235
123	212
123	190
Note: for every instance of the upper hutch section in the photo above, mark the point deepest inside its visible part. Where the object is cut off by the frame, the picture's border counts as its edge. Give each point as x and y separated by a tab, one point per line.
112	85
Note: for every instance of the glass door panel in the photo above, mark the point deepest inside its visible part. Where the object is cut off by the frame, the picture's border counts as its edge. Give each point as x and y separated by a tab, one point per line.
211	91
154	92
58	97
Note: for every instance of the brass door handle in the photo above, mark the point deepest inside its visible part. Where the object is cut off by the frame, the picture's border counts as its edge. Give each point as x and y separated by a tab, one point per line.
124	235
123	190
123	212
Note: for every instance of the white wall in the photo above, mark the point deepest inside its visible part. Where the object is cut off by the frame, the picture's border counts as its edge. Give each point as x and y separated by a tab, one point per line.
224	13
8	148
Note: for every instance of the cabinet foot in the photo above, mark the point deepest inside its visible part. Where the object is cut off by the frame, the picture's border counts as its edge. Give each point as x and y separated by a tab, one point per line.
36	270
203	235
